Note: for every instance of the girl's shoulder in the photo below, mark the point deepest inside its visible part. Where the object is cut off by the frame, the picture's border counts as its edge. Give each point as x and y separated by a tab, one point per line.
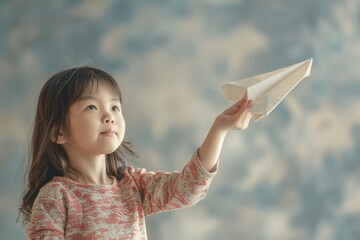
134	170
55	187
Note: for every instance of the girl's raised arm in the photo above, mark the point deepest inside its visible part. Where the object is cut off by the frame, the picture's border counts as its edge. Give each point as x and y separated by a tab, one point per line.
235	117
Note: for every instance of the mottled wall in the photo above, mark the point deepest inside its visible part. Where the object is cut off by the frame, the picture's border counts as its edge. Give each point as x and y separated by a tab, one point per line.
293	175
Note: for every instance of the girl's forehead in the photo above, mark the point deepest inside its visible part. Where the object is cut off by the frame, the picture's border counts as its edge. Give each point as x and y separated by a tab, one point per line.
97	86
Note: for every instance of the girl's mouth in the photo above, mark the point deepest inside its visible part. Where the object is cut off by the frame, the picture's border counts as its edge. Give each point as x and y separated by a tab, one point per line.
108	132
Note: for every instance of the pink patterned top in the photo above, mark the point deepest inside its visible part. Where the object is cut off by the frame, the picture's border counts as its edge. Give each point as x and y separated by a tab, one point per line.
67	209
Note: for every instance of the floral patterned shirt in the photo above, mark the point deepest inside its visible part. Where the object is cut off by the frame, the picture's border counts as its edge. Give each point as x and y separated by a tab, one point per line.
66	209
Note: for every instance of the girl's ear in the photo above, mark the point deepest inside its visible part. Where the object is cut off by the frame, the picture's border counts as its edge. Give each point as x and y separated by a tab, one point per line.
58	138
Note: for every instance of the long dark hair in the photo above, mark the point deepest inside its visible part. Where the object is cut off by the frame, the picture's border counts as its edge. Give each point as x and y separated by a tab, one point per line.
48	159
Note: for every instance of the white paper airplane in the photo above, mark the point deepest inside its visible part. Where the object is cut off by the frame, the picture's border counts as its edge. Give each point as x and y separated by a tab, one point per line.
267	90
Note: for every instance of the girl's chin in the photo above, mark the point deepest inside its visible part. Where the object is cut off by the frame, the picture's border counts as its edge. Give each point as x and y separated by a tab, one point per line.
110	150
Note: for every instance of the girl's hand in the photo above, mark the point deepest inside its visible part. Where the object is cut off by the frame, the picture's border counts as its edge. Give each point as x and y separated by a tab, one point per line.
235	117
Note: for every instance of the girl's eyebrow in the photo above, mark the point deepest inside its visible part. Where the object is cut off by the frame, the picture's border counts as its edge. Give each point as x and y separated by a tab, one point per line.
84	98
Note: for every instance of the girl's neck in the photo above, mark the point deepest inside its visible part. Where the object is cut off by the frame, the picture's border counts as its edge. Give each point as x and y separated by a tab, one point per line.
92	169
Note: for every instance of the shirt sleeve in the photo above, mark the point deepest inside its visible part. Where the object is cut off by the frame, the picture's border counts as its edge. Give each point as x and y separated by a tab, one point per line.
48	215
165	191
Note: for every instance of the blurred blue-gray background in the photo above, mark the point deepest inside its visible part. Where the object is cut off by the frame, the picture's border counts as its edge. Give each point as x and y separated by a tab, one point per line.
293	175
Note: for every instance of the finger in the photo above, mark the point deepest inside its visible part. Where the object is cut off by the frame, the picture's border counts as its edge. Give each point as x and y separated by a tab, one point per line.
241	121
235	107
240	108
248	116
246	120
246	105
241	112
231	110
240	102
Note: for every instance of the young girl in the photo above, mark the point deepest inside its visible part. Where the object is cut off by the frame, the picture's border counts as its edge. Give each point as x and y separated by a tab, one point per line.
78	185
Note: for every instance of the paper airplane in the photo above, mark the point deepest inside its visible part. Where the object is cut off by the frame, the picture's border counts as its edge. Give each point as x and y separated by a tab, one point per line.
267	90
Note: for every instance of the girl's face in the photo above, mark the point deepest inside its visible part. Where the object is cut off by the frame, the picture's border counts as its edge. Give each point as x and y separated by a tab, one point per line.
96	124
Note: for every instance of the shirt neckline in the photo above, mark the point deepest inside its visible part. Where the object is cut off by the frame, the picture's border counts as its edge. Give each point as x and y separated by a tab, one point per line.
87	185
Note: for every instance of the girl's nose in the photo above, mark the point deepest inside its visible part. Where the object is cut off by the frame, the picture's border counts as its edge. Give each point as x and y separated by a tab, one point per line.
108	118
109	121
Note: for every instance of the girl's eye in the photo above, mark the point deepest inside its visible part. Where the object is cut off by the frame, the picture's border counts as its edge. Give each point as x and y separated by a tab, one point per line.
91	107
116	108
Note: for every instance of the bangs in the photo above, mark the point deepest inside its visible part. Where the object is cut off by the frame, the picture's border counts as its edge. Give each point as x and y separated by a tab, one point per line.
88	79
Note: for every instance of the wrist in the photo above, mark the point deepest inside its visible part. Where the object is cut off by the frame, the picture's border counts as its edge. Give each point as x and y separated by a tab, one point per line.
219	126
